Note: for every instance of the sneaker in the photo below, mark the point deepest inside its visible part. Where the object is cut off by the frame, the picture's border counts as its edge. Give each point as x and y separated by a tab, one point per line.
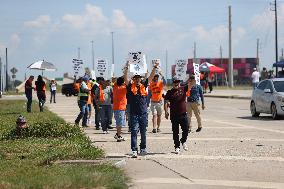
97	128
120	138
110	127
89	121
105	132
154	131
143	152
158	130
134	154
185	148
177	151
115	136
199	129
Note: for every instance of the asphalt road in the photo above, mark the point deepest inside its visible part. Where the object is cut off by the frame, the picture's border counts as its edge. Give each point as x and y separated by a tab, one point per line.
233	150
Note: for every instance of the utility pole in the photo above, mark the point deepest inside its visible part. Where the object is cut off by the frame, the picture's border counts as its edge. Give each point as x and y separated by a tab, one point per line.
257	53
7	84
166	66
194	53
93	55
221	62
231	67
276	33
112	48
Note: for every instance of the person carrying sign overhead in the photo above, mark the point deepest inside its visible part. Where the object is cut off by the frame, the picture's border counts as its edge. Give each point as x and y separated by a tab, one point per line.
157	88
137	96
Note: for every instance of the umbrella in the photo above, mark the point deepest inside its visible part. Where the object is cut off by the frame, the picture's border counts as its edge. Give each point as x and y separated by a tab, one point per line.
42	65
207	67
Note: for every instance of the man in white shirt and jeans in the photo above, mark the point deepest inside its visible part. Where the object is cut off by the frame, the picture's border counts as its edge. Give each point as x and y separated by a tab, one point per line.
255	78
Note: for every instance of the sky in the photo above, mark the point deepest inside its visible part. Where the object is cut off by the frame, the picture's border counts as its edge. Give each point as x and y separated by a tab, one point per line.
53	30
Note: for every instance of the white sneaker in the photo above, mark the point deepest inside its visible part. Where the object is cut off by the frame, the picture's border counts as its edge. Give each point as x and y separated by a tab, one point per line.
134	154
105	132
177	151
143	152
89	122
185	148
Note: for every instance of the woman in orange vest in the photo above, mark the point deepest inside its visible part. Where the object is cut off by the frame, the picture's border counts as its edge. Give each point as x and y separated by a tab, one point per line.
40	88
119	106
157	88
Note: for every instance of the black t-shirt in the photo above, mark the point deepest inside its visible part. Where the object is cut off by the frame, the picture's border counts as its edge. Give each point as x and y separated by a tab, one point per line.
177	99
138	103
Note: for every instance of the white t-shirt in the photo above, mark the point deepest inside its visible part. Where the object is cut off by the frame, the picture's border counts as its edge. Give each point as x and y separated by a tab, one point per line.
255	76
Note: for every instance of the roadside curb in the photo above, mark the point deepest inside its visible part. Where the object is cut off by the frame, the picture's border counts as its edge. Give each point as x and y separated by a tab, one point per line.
230	97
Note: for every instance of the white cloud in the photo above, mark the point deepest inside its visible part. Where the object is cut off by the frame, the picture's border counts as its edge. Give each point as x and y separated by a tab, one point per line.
120	21
93	18
41	21
210	35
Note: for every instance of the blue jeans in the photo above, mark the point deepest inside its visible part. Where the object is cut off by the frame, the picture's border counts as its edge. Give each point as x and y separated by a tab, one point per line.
83	113
29	103
138	123
52	96
105	115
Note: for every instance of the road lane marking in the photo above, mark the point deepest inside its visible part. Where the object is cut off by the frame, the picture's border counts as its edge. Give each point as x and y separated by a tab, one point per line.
207	182
246	126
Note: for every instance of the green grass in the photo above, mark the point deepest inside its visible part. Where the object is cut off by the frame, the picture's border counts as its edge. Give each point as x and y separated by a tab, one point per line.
26	157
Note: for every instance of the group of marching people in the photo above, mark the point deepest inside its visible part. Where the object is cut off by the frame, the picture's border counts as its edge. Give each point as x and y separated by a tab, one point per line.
128	100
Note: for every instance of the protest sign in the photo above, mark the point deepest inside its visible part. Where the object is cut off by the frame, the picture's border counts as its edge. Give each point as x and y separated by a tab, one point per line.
196	73
77	64
157	62
104	69
137	63
180	69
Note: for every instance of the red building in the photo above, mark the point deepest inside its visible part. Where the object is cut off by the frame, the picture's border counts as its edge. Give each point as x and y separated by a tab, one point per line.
243	67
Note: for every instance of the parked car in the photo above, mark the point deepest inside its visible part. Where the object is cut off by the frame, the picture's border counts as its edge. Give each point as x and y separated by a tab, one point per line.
69	90
268	98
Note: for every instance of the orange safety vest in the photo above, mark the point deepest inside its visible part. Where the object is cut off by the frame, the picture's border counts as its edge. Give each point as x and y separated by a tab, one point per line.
89	85
134	89
119	97
157	90
102	98
188	92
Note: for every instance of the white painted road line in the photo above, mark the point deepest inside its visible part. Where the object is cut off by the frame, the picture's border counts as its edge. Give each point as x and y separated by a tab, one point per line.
246	126
228	183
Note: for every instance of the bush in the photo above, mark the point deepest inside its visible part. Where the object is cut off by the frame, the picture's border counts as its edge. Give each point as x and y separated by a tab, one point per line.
43	130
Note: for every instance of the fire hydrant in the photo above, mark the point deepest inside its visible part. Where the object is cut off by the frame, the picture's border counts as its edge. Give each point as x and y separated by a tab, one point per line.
21	122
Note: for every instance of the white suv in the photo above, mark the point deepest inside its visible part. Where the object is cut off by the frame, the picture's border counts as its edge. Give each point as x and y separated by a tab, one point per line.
268	98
